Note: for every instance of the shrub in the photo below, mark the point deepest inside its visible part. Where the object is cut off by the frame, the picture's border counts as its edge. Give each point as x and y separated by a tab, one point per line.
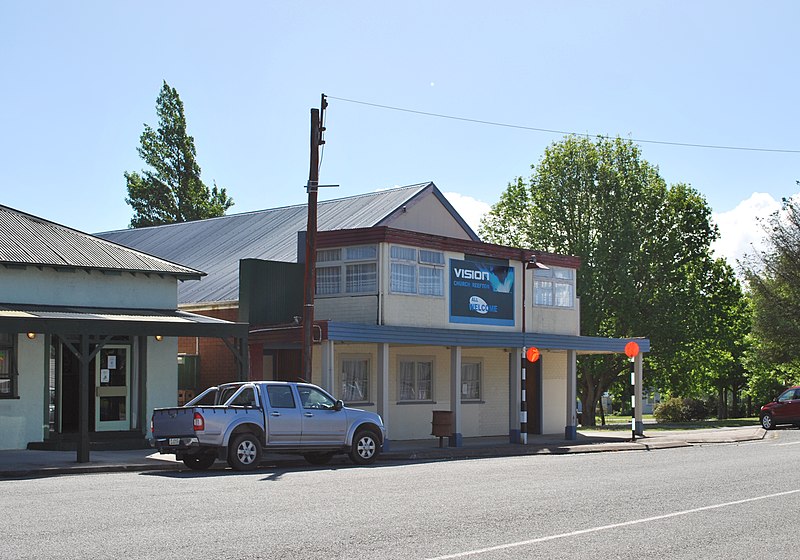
677	409
670	410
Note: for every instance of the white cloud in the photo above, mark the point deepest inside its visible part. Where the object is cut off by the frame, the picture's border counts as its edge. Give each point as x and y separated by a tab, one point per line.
470	208
740	230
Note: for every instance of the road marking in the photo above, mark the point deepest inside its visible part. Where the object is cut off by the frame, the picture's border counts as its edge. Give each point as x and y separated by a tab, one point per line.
790	443
613	526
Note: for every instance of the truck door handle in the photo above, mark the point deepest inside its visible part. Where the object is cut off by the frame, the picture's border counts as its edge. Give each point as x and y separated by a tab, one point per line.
275	414
309	414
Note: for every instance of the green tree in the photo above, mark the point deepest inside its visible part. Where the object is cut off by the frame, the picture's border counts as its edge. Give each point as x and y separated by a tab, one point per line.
645	268
171	190
773	277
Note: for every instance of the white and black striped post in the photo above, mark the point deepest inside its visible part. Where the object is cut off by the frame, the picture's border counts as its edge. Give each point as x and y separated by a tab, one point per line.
523	404
631	350
633	402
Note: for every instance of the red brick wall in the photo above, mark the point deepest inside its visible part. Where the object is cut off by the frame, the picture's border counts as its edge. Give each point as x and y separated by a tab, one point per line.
217	363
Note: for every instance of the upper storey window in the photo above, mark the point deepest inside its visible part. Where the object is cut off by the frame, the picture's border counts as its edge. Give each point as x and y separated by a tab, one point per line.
416	271
554	287
350	270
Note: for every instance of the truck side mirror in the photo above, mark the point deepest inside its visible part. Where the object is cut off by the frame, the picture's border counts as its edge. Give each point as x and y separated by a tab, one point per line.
339	405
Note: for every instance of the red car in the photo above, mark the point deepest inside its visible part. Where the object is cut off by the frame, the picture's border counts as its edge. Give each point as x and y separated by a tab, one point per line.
785	409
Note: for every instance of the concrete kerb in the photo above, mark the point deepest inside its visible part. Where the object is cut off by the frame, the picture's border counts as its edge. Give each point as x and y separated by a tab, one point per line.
34	464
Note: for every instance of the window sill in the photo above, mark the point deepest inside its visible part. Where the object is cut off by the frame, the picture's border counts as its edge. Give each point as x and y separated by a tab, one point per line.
412	294
9	398
358	403
474	401
414	402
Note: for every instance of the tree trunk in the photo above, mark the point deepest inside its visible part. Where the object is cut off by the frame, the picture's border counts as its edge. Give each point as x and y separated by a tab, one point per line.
589	401
602	412
721	408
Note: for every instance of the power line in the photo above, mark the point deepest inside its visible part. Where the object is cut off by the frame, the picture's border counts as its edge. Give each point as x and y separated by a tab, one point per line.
564	132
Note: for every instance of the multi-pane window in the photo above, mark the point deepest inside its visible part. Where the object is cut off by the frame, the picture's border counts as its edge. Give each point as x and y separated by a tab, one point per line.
554	287
351	270
329	280
355	379
404	270
361	278
416	380
417	272
8	367
470	381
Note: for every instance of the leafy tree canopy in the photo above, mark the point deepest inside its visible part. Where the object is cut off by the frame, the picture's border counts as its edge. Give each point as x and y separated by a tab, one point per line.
171	189
646	265
773	277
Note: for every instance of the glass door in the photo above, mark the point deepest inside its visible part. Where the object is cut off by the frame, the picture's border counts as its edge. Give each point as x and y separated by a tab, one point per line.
112	388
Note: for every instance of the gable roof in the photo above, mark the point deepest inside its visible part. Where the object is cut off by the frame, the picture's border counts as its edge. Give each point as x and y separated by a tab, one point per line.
26	240
216	245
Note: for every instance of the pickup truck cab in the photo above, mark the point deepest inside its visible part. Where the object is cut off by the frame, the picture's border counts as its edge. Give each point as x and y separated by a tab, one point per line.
238	422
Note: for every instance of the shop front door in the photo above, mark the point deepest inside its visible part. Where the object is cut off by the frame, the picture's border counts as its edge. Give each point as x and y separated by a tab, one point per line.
112	388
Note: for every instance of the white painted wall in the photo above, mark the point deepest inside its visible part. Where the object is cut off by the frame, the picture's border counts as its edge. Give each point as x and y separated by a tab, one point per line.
434	312
22	420
413	421
87	289
161	387
429	216
348	309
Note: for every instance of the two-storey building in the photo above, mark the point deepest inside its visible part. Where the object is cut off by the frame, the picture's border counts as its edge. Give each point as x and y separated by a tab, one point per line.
413	313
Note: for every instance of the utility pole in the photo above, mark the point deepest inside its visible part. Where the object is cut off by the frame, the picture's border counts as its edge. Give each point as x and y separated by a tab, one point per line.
317	118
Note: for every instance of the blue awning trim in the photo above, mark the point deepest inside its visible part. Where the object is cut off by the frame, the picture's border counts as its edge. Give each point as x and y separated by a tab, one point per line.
355	332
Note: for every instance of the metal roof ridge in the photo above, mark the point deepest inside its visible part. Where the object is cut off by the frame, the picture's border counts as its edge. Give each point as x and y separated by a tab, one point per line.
417	186
100	241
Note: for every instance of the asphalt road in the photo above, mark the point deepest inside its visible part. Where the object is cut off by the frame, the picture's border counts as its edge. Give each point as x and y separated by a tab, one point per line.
714	501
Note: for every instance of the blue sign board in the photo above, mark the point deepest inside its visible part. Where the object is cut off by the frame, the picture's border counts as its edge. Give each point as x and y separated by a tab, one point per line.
481	293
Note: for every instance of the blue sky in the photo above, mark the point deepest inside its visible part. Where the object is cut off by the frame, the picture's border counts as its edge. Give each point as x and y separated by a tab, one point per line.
81	79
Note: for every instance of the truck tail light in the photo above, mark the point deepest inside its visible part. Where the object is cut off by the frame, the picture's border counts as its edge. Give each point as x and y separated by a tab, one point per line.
152	426
199	422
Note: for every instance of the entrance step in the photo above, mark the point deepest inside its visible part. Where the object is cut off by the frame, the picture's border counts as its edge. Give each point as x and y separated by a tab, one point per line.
98	441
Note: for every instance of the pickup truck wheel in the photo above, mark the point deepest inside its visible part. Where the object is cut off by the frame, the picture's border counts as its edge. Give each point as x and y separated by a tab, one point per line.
366	447
199	462
245	453
318	458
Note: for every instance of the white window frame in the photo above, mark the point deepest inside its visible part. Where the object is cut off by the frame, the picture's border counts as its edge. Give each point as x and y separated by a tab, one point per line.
472	362
367	383
549	285
347	271
418	394
9	375
426	265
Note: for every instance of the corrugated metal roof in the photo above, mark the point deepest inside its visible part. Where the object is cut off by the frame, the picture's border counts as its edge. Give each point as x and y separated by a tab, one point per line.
216	245
69	320
29	240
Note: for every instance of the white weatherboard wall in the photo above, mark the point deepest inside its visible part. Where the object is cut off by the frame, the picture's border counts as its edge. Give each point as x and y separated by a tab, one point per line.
161	389
432	311
554	392
413	420
22	420
429	216
87	288
349	309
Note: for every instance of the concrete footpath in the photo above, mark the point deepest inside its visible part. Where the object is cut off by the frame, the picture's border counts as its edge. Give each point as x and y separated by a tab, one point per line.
29	464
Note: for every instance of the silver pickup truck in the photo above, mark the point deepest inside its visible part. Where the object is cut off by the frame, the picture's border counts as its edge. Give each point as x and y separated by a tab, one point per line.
238	422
